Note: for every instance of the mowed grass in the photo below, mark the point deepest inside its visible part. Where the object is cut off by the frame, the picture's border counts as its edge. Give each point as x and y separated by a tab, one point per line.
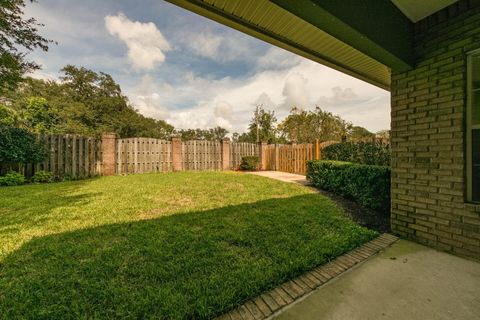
163	246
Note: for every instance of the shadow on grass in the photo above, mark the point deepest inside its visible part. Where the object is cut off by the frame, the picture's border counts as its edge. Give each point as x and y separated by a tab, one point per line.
195	265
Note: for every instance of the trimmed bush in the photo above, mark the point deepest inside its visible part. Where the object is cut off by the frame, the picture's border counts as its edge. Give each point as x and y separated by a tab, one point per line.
42	177
12	178
359	152
249	163
367	185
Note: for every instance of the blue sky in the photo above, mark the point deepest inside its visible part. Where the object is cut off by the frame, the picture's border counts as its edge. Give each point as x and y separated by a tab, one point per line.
193	72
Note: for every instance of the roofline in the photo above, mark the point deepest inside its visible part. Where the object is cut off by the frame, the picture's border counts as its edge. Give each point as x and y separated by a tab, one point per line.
220	16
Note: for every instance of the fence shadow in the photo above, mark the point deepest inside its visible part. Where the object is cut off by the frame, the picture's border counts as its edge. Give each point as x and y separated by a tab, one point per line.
192	265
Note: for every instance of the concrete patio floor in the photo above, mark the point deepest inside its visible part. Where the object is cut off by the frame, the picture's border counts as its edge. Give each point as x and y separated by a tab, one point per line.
406	281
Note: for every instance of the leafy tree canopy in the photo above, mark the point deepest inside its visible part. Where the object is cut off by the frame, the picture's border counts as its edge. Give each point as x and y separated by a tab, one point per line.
17	33
212	134
83	102
302	126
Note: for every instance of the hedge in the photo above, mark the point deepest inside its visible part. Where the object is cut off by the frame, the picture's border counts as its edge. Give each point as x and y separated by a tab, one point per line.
371	153
367	185
249	163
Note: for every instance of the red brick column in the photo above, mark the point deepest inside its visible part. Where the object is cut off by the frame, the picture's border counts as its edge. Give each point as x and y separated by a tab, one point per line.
177	154
226	154
109	153
262	157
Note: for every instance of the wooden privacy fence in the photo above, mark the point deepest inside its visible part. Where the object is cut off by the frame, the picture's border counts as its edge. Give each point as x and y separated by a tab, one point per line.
69	156
141	155
201	155
239	150
73	156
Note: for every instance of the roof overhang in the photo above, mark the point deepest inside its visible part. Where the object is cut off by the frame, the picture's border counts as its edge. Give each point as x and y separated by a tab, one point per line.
365	39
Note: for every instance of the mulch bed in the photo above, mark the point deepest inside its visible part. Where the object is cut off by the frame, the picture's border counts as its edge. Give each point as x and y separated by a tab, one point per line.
366	217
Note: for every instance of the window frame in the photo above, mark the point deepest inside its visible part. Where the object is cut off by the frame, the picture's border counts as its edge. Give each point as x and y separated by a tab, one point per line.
469	126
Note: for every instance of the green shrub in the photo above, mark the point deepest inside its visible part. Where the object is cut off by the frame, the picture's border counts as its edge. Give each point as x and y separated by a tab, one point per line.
42	177
365	184
12	178
249	163
20	146
359	152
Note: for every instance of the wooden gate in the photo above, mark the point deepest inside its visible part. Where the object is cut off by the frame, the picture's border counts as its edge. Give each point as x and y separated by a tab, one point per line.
293	158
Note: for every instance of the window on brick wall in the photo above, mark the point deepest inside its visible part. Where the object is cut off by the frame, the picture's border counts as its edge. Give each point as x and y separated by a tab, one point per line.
473	127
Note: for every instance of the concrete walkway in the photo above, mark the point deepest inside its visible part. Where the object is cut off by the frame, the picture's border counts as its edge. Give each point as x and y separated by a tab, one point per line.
282	176
406	281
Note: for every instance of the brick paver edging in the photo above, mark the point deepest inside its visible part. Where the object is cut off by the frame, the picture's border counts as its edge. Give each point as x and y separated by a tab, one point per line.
271	302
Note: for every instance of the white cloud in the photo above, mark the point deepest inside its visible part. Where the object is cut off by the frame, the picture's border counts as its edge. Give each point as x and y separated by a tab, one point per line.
265	101
230	102
338	96
206	45
146	98
277	58
221	47
295	92
223	110
146	44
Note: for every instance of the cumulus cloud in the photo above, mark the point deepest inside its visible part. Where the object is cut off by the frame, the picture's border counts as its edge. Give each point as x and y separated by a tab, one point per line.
265	101
229	102
339	96
146	98
206	45
146	44
223	110
295	92
277	58
221	47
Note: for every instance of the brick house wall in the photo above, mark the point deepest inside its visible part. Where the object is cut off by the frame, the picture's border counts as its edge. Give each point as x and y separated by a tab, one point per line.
427	138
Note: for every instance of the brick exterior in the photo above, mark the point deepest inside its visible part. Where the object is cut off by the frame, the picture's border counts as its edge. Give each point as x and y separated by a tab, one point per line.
262	154
109	154
427	139
177	154
226	154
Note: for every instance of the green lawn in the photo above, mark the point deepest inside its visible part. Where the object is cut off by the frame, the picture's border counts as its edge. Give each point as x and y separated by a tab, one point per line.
165	246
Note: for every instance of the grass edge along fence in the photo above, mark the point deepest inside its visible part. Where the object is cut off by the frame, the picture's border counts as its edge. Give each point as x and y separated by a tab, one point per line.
367	185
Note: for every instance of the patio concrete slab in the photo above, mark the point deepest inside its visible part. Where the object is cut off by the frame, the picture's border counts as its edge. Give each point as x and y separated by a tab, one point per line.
282	176
406	281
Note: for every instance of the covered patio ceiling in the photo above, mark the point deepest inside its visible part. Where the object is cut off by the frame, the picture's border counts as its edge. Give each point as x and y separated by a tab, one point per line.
365	39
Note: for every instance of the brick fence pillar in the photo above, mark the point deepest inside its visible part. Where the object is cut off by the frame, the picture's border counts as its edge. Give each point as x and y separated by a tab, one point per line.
277	157
109	153
262	155
176	154
226	154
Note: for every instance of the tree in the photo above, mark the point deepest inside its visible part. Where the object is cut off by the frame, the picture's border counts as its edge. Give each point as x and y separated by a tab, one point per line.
17	32
302	126
40	116
8	117
212	134
84	102
261	127
360	134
